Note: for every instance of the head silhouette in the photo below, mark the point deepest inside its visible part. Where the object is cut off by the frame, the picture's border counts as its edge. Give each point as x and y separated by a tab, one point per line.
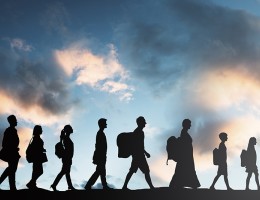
252	141
223	136
37	130
186	123
68	129
12	120
102	123
140	121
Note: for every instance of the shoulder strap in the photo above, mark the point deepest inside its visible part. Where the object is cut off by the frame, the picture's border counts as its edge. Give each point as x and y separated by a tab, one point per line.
30	141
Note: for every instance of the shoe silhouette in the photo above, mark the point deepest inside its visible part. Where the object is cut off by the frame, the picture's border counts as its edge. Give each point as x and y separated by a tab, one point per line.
53	188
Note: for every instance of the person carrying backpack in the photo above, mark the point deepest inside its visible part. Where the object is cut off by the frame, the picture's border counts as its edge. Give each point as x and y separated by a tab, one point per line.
66	158
251	163
185	173
38	152
139	155
222	164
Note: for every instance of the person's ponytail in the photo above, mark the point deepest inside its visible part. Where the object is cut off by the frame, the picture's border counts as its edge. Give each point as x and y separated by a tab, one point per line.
62	134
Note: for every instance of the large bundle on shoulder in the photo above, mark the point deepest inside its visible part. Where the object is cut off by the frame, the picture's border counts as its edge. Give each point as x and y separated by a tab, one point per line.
173	148
125	144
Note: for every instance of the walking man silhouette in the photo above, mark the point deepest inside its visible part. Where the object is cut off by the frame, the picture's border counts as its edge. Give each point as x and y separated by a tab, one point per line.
138	155
10	152
99	157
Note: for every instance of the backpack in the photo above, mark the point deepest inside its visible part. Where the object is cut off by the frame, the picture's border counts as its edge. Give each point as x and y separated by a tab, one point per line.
29	152
59	149
125	144
172	148
216	156
243	158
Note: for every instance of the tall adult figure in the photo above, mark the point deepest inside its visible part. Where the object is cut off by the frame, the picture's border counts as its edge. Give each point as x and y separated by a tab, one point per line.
185	173
10	152
38	156
251	167
99	157
138	155
66	158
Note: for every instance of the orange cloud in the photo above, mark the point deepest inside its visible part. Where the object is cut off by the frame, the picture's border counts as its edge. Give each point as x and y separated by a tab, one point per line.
220	89
103	72
32	113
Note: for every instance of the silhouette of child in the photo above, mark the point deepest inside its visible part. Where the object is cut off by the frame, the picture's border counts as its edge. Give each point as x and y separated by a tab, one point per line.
251	163
222	167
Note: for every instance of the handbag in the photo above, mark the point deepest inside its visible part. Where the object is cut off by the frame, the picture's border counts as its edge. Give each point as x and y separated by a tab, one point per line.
44	157
4	155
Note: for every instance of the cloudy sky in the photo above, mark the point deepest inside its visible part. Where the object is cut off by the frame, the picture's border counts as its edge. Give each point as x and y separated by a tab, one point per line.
73	62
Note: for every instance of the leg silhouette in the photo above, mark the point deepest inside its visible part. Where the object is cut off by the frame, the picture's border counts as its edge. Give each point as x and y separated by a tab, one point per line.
148	180
127	179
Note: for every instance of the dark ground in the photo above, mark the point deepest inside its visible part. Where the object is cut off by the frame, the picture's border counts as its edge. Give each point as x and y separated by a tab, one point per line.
145	194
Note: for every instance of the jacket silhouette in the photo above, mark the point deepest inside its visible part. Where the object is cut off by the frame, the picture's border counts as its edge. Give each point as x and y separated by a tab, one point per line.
10	152
99	157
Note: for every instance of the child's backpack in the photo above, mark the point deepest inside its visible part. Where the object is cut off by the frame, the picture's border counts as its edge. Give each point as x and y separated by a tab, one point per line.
243	158
59	149
216	156
173	148
29	152
125	144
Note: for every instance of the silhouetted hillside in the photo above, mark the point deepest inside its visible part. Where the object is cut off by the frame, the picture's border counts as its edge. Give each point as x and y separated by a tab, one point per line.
145	194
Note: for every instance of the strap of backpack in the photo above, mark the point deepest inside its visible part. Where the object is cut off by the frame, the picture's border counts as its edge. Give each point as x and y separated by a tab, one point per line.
30	140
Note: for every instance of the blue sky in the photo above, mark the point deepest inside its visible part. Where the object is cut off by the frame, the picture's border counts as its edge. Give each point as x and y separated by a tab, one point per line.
73	62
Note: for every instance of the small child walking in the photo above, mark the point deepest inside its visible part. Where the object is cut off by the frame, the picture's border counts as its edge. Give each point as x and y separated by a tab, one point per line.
222	167
251	163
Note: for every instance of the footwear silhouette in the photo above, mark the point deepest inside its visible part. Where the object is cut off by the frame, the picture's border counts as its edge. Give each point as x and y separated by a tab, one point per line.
53	188
125	188
107	188
71	188
87	187
31	186
212	188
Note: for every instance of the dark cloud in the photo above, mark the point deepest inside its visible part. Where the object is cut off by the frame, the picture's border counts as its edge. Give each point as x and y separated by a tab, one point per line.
187	36
35	82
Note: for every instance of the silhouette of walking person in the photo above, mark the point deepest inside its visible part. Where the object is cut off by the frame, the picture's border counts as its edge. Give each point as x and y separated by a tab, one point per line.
222	167
66	158
38	152
138	155
10	152
251	163
99	157
185	174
